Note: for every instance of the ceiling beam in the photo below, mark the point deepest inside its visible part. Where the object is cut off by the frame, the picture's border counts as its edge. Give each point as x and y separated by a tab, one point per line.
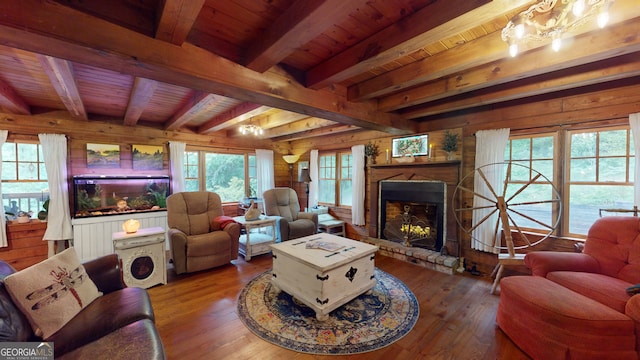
232	117
431	24
176	18
303	21
60	74
199	104
617	68
46	28
480	51
324	131
614	40
11	101
141	94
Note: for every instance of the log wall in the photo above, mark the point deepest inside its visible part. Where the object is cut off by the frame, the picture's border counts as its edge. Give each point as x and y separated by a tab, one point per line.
602	105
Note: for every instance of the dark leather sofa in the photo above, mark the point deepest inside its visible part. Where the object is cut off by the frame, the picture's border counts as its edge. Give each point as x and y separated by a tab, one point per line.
118	325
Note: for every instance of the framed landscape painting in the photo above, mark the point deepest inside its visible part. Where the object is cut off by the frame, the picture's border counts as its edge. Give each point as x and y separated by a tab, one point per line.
416	145
147	157
105	156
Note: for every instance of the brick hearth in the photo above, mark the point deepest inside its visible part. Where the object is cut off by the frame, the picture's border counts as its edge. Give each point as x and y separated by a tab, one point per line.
426	258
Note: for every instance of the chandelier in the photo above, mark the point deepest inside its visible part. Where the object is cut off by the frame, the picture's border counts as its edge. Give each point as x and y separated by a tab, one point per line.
251	130
551	20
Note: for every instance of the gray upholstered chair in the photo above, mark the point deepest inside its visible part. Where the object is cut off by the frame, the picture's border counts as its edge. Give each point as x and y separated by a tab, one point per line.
199	234
283	202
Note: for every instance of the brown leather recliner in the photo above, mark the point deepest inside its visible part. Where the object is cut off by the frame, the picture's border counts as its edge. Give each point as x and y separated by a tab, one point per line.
197	242
293	224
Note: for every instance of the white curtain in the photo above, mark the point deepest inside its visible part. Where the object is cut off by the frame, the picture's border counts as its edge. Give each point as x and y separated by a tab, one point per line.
54	150
313	173
634	123
176	165
359	187
490	145
3	220
264	170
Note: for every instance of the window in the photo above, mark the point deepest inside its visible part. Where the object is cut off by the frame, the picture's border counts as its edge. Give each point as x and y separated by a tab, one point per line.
327	181
24	178
335	173
346	187
535	154
191	173
252	174
598	175
223	174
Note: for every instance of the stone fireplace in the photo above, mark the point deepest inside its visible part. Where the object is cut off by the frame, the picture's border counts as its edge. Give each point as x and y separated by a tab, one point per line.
413	212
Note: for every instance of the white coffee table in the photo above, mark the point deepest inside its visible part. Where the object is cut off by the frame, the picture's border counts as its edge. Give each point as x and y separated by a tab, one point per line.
323	280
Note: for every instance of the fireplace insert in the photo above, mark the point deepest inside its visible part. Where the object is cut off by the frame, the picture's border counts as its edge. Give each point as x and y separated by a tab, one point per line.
413	213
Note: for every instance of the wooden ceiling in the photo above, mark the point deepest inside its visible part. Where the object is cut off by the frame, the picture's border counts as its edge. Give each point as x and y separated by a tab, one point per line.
297	68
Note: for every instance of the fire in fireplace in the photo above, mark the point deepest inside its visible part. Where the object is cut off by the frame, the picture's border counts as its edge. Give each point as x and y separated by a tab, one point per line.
413	213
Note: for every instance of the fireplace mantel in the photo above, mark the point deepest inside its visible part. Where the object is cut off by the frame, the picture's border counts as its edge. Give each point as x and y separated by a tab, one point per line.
445	171
416	164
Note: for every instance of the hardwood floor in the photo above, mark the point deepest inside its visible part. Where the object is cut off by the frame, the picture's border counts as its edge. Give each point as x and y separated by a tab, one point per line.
196	315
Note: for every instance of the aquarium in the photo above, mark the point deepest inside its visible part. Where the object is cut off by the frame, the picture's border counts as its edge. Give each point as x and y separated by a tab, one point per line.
113	195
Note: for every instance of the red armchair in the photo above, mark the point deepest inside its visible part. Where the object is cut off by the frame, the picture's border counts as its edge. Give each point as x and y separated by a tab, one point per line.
576	304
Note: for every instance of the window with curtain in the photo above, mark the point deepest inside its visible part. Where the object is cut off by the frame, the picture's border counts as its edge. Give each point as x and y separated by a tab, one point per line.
24	178
596	178
335	179
232	176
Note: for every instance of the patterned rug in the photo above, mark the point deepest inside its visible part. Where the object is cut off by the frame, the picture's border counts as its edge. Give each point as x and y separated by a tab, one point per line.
373	320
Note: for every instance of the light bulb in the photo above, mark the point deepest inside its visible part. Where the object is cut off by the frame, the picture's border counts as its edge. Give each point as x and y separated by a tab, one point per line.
578	8
519	31
603	19
556	44
513	50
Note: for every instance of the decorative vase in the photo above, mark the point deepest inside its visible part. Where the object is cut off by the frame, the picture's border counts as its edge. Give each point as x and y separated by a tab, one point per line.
450	155
371	160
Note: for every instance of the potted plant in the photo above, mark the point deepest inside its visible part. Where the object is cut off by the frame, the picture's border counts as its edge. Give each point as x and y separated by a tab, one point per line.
371	151
450	143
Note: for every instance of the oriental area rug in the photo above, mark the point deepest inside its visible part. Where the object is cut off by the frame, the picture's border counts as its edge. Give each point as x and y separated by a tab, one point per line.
373	320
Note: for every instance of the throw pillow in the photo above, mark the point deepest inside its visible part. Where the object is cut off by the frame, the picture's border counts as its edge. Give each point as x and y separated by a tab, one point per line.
632	290
52	292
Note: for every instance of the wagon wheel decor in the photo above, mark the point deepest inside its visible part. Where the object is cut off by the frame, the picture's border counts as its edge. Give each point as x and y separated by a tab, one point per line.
516	206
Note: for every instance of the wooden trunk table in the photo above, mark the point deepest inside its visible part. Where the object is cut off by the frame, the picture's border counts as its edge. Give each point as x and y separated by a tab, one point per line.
321	279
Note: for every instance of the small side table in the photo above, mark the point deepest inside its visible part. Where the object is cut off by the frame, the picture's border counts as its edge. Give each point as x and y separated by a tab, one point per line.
330	225
144	262
257	238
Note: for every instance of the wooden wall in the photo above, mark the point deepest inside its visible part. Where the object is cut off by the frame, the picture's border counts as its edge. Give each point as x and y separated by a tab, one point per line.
602	105
591	106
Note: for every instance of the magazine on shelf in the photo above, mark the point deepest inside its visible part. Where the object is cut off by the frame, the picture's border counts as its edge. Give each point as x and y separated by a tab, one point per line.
324	245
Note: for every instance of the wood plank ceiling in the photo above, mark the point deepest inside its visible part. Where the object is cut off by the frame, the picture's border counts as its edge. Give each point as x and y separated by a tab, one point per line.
297	68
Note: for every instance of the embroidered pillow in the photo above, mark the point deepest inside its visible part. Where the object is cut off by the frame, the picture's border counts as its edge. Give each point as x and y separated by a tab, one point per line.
52	292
